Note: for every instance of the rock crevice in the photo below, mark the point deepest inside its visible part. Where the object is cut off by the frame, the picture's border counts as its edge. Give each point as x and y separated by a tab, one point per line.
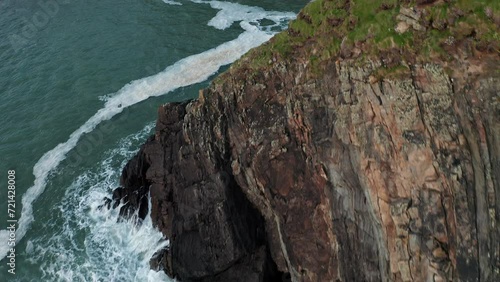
329	178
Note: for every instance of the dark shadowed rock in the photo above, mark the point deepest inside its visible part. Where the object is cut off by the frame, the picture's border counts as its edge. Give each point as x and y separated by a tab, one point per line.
337	171
389	184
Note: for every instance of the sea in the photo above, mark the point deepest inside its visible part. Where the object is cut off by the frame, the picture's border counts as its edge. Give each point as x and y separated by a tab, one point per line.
80	85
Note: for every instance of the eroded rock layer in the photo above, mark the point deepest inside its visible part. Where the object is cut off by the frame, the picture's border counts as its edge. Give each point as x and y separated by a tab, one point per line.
335	177
330	173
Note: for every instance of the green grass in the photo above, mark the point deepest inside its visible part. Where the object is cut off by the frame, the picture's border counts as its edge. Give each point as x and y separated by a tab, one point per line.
369	24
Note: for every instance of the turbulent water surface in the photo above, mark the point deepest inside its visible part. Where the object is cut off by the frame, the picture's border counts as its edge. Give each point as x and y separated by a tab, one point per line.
80	82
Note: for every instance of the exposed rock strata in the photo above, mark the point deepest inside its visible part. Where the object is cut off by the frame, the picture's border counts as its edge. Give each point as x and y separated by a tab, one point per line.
335	177
343	176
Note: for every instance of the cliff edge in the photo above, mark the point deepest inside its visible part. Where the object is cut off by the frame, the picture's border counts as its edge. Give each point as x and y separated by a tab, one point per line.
362	144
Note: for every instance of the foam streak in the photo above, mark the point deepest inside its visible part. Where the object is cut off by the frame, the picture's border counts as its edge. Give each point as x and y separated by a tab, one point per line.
188	71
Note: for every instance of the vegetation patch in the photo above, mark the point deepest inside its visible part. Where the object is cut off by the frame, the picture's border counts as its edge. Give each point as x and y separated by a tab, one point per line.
391	30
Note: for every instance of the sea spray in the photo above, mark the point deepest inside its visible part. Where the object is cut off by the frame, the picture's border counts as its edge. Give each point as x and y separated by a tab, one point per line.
110	249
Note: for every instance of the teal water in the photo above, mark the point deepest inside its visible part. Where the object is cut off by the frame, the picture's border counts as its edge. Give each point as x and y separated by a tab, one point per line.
70	117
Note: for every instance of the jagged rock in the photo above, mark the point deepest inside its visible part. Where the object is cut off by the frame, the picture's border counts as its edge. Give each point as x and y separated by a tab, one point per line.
397	184
284	173
215	232
402	27
411	21
410	13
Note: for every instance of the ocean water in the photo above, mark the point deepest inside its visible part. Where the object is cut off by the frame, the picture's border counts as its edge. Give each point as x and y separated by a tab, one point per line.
80	84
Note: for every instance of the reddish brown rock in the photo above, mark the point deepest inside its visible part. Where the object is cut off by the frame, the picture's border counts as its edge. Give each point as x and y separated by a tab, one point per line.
335	177
284	174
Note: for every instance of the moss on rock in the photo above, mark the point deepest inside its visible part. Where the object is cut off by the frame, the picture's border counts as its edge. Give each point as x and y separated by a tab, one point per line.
390	30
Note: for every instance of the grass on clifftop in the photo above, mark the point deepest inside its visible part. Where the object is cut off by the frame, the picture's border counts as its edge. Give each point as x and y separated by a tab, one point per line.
327	29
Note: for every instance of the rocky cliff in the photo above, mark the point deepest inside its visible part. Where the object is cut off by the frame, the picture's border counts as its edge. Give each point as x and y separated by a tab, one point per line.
330	154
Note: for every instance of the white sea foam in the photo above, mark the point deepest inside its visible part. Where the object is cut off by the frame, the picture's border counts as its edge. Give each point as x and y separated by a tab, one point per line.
191	70
188	71
88	243
170	2
230	13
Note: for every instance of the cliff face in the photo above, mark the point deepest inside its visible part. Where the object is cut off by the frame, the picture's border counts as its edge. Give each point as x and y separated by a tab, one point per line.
330	172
